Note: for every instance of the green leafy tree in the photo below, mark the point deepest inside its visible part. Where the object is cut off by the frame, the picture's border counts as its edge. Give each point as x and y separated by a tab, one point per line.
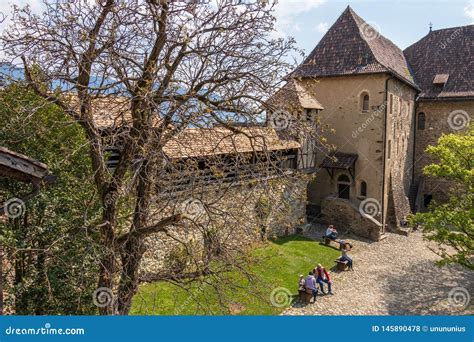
450	224
50	249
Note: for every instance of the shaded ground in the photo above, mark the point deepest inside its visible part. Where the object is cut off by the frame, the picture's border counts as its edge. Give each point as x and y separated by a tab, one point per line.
396	276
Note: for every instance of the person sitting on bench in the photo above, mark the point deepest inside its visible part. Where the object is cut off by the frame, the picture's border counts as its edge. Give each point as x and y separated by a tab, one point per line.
346	257
301	283
310	284
345	244
323	277
331	233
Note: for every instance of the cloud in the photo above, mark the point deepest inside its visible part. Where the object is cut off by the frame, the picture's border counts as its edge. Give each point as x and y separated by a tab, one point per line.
321	27
287	11
295	7
469	10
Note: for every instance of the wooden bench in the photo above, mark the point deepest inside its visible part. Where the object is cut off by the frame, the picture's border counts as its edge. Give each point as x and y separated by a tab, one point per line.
341	264
327	242
306	296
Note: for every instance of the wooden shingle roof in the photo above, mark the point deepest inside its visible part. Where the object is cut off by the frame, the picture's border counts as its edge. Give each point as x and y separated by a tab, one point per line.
352	46
200	142
339	160
111	112
20	167
294	95
442	63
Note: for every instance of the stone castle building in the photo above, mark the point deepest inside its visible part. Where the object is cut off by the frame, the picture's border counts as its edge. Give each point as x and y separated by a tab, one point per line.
383	106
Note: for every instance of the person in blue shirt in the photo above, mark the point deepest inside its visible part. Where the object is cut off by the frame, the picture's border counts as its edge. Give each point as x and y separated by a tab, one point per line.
331	233
311	285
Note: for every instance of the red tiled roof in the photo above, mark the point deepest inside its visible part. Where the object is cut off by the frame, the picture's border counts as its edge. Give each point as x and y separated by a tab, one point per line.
352	46
447	51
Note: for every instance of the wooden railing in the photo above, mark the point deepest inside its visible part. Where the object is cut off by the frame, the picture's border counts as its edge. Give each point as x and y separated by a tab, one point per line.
199	180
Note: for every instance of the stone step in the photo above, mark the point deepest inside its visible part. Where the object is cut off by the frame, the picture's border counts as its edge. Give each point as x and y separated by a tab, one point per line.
404	231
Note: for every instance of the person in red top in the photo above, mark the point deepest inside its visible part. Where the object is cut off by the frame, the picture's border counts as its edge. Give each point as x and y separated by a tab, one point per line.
322	276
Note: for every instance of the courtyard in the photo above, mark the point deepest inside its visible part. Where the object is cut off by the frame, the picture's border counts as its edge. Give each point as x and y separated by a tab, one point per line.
396	276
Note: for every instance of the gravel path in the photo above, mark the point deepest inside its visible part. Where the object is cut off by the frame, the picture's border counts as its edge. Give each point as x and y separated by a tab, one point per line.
396	276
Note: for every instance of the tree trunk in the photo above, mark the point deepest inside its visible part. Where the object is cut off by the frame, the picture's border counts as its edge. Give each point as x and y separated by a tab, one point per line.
1	280
40	298
107	264
20	301
131	257
133	249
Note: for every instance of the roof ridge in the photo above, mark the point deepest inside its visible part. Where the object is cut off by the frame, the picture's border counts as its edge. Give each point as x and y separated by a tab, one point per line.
451	28
361	22
353	46
445	51
341	17
430	34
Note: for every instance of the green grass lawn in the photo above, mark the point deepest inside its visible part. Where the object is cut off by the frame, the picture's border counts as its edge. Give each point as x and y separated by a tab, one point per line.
277	264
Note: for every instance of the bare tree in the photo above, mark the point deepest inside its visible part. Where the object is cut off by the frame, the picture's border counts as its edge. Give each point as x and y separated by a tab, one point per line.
156	68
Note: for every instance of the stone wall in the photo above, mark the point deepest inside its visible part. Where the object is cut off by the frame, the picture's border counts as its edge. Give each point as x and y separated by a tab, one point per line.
352	130
232	217
437	122
399	205
345	216
400	140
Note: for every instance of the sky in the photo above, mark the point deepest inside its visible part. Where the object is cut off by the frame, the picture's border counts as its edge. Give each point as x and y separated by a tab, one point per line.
402	21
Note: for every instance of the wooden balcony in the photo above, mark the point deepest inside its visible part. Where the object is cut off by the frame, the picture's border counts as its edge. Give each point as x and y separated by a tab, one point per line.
181	181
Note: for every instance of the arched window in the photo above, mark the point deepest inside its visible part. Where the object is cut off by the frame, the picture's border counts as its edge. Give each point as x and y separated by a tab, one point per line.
343	186
363	189
364	99
421	121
